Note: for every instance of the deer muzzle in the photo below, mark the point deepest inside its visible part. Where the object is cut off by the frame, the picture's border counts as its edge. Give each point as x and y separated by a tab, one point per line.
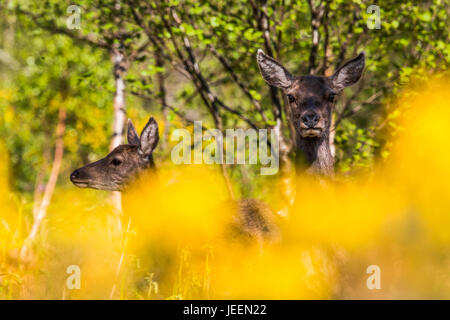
78	180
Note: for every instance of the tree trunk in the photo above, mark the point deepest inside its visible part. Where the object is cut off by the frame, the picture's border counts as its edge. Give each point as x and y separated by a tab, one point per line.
39	187
119	100
163	100
50	187
118	121
332	135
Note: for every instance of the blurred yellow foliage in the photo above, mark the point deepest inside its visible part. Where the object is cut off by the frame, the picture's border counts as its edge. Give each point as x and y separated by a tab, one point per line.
396	217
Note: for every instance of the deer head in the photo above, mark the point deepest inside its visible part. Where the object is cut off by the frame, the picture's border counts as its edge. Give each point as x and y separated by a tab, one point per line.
123	164
311	100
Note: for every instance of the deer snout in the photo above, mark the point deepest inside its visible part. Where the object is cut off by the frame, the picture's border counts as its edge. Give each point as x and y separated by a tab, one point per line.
74	175
77	179
310	119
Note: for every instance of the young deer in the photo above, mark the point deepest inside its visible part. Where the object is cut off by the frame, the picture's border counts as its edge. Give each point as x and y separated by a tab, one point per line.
311	100
126	162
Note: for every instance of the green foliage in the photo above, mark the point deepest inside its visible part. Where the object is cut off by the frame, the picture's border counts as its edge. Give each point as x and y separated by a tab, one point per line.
54	66
53	72
355	147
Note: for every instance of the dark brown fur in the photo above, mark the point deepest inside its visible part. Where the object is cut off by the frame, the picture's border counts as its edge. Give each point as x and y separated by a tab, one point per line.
254	219
311	100
115	172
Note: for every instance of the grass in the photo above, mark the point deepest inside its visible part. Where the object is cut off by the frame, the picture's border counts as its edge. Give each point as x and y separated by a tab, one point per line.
395	217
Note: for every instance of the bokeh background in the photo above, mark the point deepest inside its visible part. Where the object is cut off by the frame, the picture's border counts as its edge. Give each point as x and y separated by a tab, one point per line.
64	96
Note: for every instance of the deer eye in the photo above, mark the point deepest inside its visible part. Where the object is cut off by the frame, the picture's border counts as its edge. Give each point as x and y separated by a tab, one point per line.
116	162
291	98
331	96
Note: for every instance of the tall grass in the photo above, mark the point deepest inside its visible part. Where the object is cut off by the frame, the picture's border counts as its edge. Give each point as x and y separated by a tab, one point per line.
178	245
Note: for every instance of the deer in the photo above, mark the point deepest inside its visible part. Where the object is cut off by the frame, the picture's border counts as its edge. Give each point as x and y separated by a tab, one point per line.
311	100
125	164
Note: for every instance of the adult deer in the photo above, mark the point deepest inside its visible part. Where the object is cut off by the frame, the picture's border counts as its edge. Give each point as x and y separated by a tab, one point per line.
123	165
311	100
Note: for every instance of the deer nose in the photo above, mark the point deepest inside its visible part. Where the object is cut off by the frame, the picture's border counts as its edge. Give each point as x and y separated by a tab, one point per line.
310	119
74	175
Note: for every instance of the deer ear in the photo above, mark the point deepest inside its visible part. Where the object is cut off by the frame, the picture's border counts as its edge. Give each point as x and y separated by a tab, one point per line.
149	138
132	135
273	71
349	73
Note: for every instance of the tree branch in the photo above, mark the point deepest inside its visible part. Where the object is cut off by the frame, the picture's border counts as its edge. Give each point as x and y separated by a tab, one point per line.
238	82
317	14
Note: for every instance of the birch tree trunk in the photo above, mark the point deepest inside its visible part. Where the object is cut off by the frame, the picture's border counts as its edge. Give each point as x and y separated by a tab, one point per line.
50	186
39	187
332	135
163	100
118	121
119	100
